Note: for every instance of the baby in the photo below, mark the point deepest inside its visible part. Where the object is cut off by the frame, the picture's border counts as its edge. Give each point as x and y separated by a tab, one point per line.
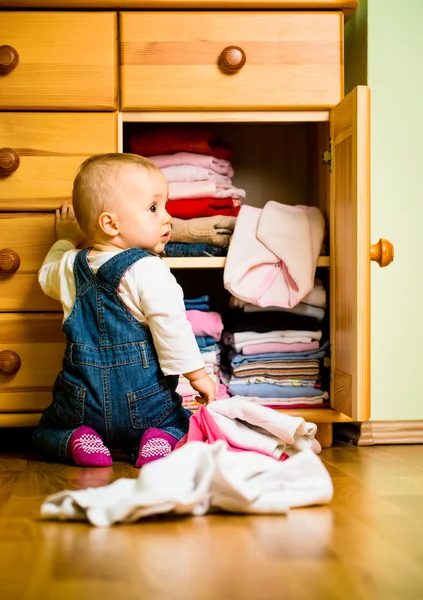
127	336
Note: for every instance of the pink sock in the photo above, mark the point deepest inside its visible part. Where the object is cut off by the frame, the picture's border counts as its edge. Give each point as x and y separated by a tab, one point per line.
155	444
87	449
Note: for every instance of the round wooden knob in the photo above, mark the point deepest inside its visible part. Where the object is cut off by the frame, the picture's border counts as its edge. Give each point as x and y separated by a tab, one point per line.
382	252
9	161
9	261
232	59
10	363
9	59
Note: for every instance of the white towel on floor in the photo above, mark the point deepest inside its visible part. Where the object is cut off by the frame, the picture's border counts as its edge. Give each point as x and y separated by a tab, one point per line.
195	478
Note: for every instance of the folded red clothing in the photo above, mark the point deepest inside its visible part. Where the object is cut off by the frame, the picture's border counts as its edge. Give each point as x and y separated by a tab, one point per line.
171	140
202	207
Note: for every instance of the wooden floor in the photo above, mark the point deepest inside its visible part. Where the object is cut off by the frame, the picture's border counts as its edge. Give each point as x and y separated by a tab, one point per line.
367	544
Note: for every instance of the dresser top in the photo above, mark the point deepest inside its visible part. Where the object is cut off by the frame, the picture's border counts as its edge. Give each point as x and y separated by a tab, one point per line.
348	6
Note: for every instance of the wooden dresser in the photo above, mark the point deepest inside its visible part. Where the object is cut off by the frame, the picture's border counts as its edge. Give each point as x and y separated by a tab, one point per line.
77	77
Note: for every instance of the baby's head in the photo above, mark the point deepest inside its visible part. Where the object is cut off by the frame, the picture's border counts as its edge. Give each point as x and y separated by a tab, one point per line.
120	201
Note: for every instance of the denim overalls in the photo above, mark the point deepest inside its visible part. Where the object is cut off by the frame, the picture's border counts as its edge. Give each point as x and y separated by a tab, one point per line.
111	378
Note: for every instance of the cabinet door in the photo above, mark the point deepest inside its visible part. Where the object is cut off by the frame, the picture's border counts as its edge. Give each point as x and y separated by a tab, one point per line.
41	152
58	60
31	352
25	239
350	254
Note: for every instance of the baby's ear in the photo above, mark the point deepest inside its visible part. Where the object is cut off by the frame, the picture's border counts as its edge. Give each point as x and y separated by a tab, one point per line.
108	223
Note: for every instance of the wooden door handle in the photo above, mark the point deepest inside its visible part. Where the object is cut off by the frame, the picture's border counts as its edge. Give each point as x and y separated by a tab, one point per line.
232	59
9	161
10	362
382	252
9	261
9	59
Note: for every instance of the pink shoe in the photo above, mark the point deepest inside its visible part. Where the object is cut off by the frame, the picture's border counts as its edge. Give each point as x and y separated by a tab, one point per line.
87	449
155	444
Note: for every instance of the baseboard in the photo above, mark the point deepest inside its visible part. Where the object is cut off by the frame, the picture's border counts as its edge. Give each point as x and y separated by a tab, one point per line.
371	433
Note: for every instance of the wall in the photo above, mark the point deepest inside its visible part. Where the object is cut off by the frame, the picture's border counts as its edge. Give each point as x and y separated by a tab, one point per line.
393	70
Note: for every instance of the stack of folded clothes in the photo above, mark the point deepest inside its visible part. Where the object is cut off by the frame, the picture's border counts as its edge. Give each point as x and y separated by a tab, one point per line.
207	327
276	353
202	199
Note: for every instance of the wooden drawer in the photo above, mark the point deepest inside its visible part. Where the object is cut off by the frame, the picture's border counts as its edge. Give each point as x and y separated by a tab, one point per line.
65	60
39	343
170	60
47	151
25	240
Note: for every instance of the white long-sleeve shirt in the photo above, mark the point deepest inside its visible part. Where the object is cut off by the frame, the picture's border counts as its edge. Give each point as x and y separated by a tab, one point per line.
150	292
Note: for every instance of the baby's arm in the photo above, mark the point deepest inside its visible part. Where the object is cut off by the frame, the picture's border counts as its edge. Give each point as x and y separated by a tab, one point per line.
69	235
203	384
162	303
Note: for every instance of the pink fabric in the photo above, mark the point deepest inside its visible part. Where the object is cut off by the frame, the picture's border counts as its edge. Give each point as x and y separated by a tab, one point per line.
207	324
268	348
246	426
192	173
273	254
203	189
203	428
218	165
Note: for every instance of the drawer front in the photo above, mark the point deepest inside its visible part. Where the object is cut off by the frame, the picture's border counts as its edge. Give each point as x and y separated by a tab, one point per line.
32	346
25	240
177	60
58	61
41	152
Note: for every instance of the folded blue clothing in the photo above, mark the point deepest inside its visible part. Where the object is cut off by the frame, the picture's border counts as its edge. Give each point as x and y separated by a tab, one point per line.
211	348
193	250
204	342
268	390
200	307
240	359
199	300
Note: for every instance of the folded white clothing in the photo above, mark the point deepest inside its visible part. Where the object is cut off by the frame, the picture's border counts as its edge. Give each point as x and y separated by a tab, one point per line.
282	335
195	478
261	428
303	309
211	357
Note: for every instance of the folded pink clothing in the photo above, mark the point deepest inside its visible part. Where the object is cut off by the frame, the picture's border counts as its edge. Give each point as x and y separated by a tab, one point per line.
249	427
207	324
268	348
191	173
218	165
273	254
202	189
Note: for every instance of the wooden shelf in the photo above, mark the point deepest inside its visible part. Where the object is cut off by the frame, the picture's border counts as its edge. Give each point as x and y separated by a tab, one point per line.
240	116
312	415
213	262
316	415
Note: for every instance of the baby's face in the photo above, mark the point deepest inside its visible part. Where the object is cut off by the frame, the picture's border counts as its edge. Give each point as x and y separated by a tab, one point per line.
143	220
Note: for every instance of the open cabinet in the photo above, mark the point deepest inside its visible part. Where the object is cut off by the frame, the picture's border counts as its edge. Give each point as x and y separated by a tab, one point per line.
277	97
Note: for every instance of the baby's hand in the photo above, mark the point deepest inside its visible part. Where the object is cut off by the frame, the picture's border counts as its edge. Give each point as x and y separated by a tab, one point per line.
206	387
67	227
